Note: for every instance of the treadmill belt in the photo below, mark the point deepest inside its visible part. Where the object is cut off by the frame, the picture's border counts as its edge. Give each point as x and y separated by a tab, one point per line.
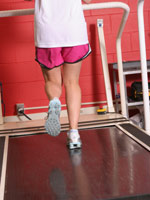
109	166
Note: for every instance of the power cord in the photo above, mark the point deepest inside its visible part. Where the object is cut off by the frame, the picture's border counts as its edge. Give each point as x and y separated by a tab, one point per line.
21	111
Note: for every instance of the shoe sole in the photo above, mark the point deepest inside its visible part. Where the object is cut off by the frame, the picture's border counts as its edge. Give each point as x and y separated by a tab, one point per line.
52	124
74	145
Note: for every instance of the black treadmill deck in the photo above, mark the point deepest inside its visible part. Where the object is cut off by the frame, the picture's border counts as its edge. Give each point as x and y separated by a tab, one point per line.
110	165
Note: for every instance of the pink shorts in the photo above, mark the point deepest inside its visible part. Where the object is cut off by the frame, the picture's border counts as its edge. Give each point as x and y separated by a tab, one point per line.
54	57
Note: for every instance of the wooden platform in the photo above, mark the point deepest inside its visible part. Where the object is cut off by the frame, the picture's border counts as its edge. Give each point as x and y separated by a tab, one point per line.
63	120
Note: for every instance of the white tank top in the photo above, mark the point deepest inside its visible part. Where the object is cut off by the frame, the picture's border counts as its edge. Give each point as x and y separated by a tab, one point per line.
59	23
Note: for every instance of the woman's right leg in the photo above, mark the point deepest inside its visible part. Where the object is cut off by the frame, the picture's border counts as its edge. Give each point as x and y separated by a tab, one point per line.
53	82
53	87
71	74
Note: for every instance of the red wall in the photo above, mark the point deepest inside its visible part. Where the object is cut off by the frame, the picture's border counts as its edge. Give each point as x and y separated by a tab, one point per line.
21	75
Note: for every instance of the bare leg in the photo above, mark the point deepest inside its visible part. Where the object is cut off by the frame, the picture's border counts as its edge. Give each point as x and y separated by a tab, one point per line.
71	74
53	82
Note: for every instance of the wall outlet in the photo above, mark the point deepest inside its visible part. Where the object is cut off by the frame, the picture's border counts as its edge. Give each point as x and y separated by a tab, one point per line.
19	108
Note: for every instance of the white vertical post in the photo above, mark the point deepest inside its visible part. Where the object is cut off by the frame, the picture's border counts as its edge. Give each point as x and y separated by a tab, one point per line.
143	65
105	65
120	67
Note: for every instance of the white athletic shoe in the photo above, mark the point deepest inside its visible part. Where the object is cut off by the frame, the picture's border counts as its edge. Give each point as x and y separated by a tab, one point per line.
74	141
52	124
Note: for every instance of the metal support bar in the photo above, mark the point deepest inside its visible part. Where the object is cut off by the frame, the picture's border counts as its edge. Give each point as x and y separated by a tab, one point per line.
120	67
143	65
105	66
18	12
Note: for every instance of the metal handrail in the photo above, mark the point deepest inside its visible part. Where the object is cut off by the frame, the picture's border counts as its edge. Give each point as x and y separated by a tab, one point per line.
143	65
